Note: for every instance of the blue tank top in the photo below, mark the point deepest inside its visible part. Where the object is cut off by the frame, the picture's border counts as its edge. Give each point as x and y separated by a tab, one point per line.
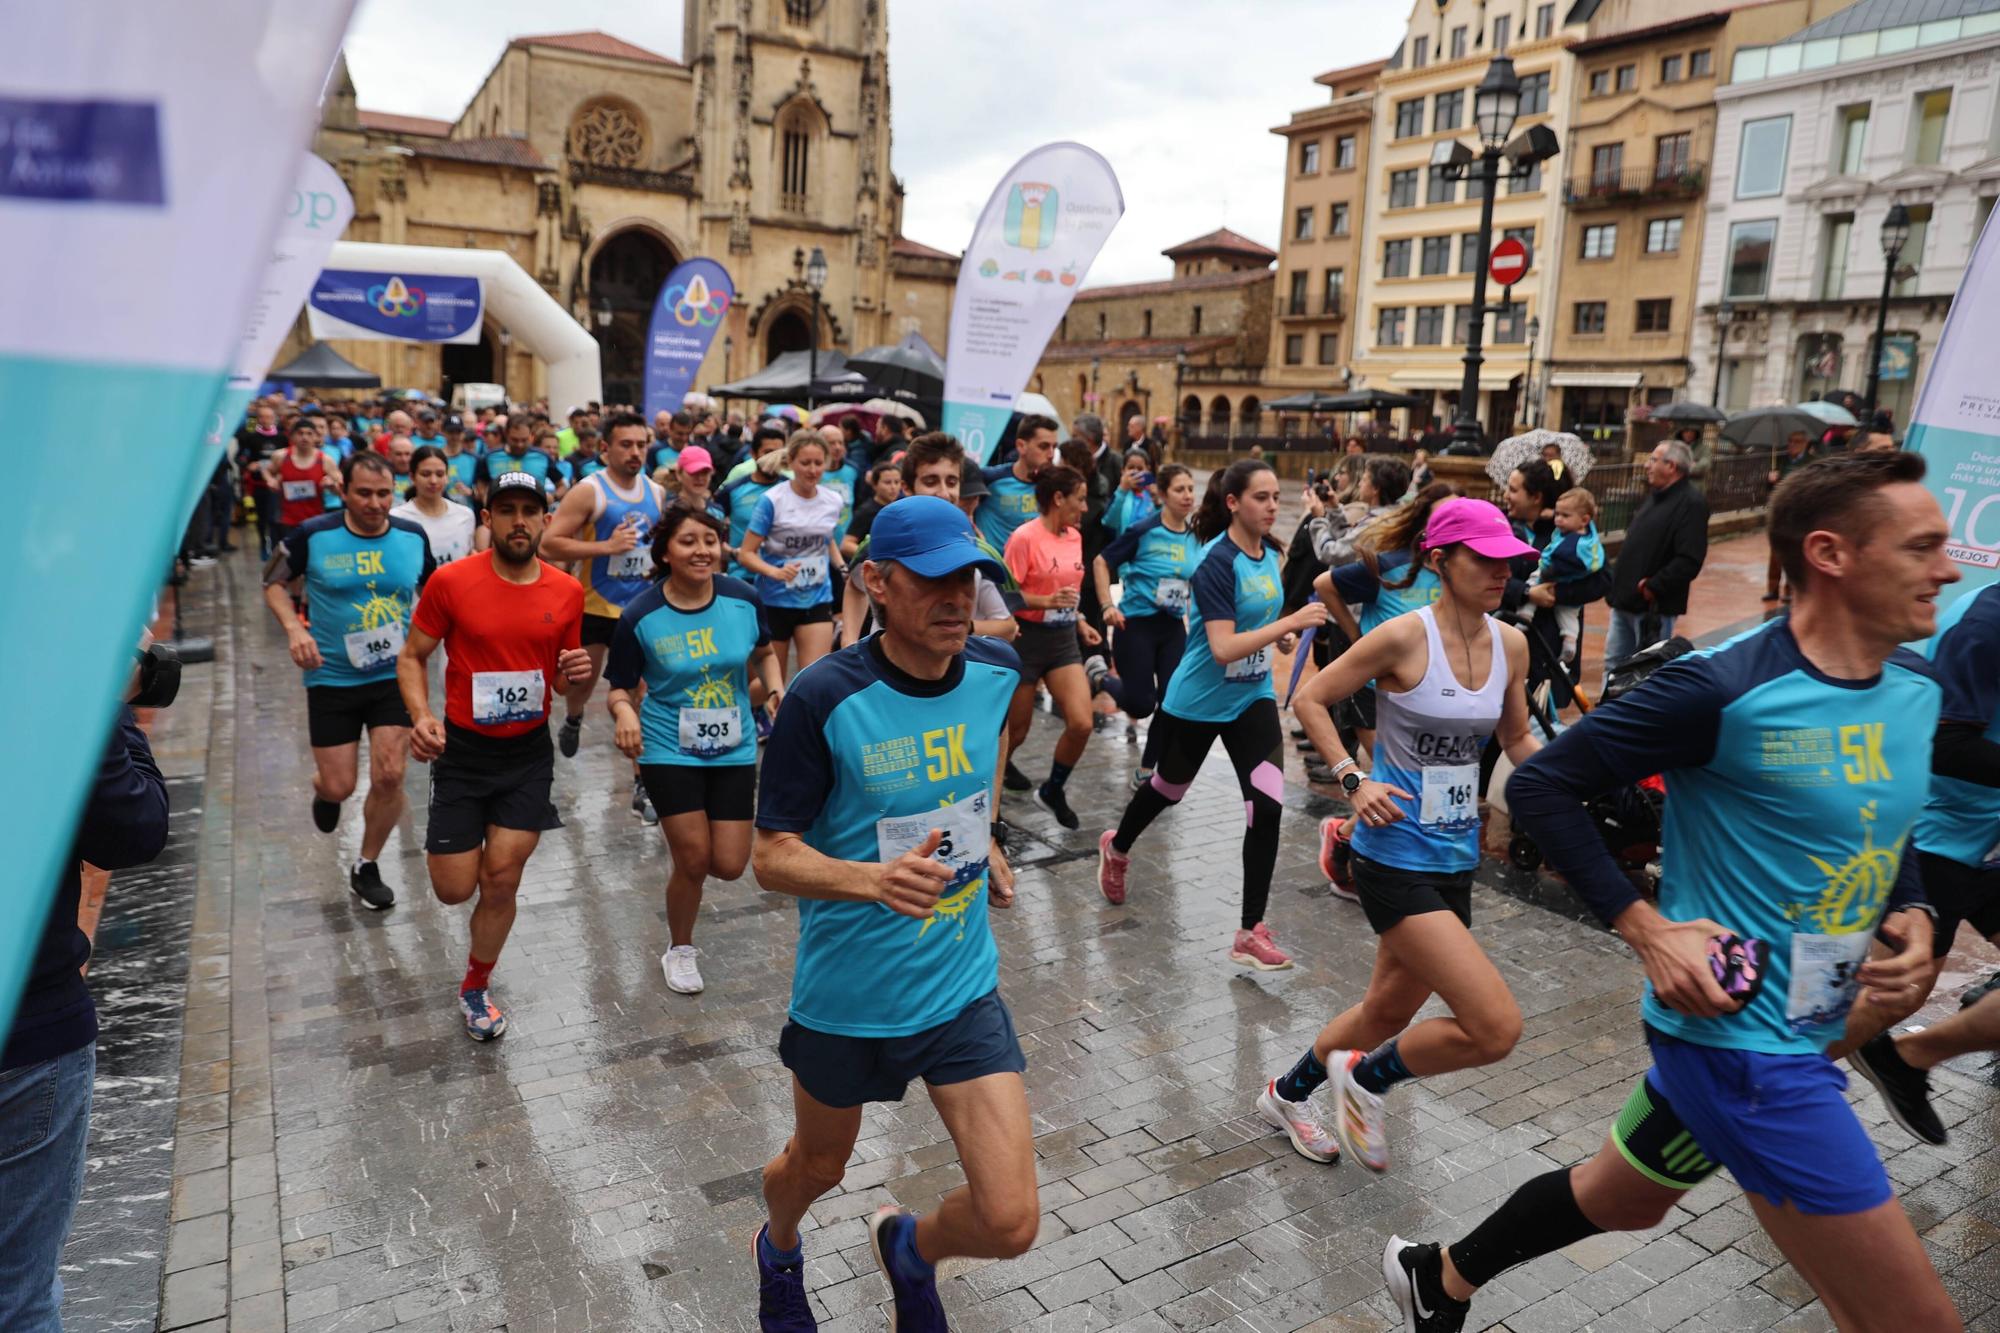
610	581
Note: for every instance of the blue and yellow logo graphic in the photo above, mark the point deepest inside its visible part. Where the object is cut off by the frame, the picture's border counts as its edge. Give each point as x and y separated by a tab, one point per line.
1030	222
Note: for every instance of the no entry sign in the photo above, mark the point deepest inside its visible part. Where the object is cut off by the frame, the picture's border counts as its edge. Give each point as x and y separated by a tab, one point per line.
1508	261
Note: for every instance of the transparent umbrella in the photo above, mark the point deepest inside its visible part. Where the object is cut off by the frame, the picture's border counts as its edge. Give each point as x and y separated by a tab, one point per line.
1515	450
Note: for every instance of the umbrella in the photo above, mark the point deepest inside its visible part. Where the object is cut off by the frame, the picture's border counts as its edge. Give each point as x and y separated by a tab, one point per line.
1768	426
322	367
785	410
889	407
1367	400
1311	400
902	366
1832	414
1510	453
1692	414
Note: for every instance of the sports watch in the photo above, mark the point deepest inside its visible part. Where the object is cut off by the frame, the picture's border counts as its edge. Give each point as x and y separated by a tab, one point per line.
1350	782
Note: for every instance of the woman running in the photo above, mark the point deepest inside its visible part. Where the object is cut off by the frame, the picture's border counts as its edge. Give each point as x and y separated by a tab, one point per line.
690	639
1045	556
1448	677
1153	560
1223	688
453	530
790	547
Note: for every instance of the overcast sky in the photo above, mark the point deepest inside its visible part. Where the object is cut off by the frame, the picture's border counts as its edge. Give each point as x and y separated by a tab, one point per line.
1179	95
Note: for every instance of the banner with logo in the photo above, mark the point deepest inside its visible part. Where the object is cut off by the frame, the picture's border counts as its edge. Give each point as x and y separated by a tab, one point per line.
1030	251
686	315
134	251
395	307
1956	424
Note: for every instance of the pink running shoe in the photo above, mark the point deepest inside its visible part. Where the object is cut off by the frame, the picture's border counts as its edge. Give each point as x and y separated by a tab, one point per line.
1111	865
1256	948
1336	859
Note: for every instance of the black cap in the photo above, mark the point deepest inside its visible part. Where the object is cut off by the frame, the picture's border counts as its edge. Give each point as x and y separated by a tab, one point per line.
454	423
523	482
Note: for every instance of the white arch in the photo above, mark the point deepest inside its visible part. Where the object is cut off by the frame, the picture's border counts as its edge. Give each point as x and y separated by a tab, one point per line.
530	314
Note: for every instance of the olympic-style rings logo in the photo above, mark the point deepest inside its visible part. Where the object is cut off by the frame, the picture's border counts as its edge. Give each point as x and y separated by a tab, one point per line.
396	299
697	303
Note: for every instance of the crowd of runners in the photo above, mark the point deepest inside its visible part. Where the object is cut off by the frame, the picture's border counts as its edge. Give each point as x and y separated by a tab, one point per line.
822	650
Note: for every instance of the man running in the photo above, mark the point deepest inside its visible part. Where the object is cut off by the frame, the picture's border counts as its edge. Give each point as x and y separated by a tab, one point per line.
509	624
300	477
879	780
1797	758
1010	487
360	570
619	508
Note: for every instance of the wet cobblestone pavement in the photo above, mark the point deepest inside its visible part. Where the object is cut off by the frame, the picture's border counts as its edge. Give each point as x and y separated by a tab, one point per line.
346	1160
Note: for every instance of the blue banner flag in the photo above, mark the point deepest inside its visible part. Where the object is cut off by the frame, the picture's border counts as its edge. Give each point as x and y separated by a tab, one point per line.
690	308
404	307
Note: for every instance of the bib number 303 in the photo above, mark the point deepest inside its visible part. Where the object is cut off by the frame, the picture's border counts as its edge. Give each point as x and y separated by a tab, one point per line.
707	732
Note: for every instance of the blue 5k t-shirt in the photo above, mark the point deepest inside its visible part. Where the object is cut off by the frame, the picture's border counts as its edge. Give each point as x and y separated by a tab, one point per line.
695	667
359	593
1153	565
1228	585
1009	503
535	463
1372	593
863	762
1961	820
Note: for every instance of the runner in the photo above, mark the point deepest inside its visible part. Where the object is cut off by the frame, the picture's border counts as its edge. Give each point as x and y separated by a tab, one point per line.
1448	677
519	456
1796	755
694	473
449	527
790	546
360	570
877	788
1153	560
1046	559
1222	688
689	640
741	492
619	507
1010	500
509	624
298	477
461	456
885	485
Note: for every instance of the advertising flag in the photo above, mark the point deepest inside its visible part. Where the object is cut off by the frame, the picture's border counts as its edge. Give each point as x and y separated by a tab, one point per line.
688	311
137	252
1033	246
395	307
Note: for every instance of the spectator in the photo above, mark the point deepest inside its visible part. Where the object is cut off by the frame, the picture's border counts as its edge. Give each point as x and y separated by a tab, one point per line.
1699	447
1420	470
1666	543
1799	451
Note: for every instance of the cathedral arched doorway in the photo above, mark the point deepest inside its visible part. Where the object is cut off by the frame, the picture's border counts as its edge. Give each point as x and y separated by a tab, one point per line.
625	278
469	363
790	331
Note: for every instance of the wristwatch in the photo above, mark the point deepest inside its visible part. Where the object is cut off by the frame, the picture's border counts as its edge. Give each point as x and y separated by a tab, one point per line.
1351	782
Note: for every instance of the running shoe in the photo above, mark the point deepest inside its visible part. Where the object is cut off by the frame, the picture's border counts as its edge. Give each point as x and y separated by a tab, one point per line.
1015	780
366	882
1415	1274
1360	1121
1111	864
762	717
1096	669
326	814
1052	799
569	735
1140	777
782	1306
1980	992
1257	949
1001	832
683	976
638	795
1905	1089
1336	859
483	1019
917	1308
1297	1122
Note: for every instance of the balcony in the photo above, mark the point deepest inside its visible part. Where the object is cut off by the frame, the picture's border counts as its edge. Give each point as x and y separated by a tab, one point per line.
1643	185
1328	306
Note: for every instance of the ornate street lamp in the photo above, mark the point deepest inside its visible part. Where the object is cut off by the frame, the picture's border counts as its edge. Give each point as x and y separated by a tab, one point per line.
1895	235
815	279
1724	314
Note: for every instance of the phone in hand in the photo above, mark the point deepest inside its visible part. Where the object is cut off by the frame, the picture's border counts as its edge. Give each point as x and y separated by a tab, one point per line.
1739	964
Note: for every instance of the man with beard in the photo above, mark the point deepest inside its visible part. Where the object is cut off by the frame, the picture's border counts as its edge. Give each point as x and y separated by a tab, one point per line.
512	627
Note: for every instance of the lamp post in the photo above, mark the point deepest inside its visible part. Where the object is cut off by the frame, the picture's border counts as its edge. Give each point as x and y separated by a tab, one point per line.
1534	336
1180	373
1895	235
815	279
1724	313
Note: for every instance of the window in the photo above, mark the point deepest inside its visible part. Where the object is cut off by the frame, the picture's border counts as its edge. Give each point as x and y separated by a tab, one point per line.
1445	111
1461	324
1672	156
1147	317
1981	211
1395	259
1468	253
1436	256
1389	326
1654	316
1402	188
1297	304
1343	152
1663	236
1442	189
1850	137
1600	242
1534	93
1100	324
1607	164
1588	316
1760	160
1503	33
1309	158
1526	182
1600	82
1932	110
1335	289
1194	321
1837	235
1510	322
1912	253
1336	222
1670	69
1302	224
1420	53
1429	330
797	174
1458	42
1409	118
1329	349
1749	272
1700	64
1525	235
1295	347
1545	21
1627	78
1475	188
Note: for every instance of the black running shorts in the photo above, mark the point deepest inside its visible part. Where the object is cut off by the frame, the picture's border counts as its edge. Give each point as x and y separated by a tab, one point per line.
338	714
1959	892
598	629
1389	894
720	791
848	1071
487	781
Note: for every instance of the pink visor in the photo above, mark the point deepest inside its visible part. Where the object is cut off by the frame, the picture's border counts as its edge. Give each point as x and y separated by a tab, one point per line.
1477	523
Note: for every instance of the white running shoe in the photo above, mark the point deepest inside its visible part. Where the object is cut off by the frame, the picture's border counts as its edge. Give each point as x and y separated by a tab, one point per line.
683	976
1299	1124
1359	1119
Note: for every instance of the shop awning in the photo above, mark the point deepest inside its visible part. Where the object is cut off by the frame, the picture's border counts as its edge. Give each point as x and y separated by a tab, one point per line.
1596	379
1447	379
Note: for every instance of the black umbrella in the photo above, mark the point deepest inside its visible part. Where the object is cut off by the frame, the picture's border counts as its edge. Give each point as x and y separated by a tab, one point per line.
322	367
1770	426
1368	400
901	367
1311	400
1693	414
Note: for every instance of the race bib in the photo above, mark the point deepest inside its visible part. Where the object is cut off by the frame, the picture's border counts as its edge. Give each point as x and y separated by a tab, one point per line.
1450	796
301	490
966	829
1826	976
1252	668
507	696
368	649
636	563
1171	595
1059	615
708	732
812	570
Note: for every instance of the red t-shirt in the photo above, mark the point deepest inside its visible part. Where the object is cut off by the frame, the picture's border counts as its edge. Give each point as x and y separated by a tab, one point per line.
500	641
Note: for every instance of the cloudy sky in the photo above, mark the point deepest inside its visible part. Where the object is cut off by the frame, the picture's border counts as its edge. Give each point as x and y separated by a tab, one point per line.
1178	94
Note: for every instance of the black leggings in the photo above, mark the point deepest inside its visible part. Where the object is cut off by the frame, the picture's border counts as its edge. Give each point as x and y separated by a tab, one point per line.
1146	652
1256	750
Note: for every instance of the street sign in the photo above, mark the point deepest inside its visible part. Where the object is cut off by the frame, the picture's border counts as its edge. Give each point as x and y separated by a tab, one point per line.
1509	261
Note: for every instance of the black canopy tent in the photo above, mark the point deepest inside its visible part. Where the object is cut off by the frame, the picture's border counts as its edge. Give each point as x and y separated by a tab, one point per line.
784	381
320	367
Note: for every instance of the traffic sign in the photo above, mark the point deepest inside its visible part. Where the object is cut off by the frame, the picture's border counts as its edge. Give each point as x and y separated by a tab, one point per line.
1509	261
